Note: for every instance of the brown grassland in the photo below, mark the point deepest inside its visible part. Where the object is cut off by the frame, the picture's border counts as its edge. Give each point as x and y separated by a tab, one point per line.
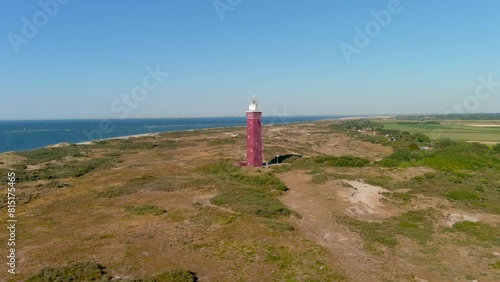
149	205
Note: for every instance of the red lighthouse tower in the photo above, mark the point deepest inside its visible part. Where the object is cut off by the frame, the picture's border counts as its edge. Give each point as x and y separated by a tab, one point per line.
254	134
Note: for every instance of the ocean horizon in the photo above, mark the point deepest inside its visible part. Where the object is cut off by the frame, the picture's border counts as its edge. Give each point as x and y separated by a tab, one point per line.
23	135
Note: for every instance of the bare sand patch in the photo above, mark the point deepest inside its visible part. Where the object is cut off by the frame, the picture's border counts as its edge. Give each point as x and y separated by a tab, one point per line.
113	138
320	206
9	159
453	218
365	197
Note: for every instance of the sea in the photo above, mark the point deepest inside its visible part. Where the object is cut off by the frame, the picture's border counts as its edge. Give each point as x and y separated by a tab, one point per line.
32	134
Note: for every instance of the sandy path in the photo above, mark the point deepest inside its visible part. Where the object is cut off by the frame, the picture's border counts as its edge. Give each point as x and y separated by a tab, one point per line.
320	204
317	204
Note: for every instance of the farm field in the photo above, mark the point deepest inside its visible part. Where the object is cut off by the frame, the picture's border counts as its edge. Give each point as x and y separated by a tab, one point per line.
483	131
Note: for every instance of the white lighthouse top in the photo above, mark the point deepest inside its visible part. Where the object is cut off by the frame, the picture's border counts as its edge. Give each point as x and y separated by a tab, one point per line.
254	106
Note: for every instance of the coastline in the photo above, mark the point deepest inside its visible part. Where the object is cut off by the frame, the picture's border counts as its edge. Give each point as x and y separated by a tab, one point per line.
124	137
112	138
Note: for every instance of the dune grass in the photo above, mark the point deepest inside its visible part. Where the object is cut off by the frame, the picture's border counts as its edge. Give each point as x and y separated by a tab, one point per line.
251	194
145	209
416	225
91	271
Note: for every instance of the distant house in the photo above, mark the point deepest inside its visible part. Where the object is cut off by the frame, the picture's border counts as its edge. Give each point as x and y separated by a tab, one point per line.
423	148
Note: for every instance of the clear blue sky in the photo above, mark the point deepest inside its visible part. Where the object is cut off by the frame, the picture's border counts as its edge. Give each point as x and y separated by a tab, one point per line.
286	52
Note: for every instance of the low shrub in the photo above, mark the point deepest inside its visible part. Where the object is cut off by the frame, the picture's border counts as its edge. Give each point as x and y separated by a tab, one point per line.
74	271
251	201
91	271
278	225
462	195
66	170
479	231
415	225
145	209
116	192
43	155
174	276
343	161
222	141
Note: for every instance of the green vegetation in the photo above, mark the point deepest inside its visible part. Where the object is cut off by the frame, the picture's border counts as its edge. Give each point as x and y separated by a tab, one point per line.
51	154
90	271
415	134
466	173
343	161
479	191
145	209
479	231
278	225
320	178
130	187
250	194
462	195
223	141
463	156
456	131
379	180
128	145
74	271
316	164
443	143
22	198
153	183
251	200
416	225
74	168
402	197
174	276
496	148
464	116
379	133
454	156
58	162
54	184
115	192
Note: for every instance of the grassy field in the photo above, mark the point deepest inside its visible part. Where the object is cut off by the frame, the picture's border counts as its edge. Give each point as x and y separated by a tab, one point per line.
466	130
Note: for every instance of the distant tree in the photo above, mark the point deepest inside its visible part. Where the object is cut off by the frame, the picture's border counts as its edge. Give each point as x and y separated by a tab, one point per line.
496	148
422	138
413	147
443	142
